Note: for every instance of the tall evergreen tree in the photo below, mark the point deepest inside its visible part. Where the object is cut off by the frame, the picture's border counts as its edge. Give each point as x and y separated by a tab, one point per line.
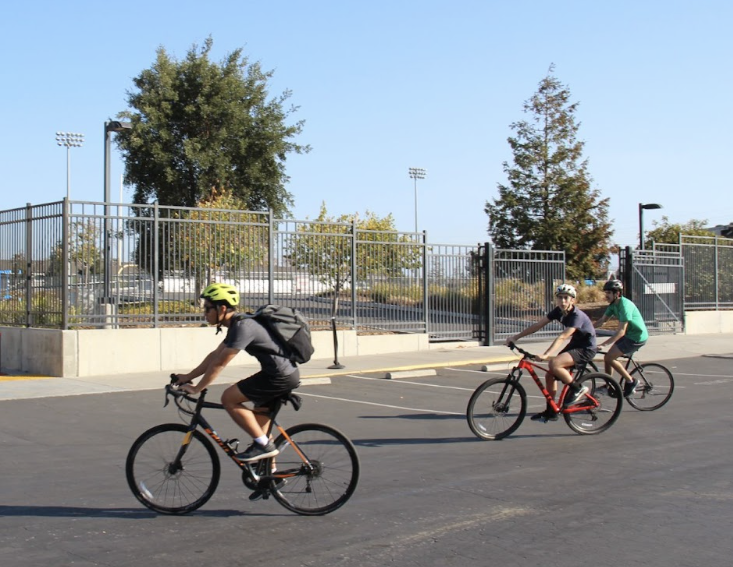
549	202
200	128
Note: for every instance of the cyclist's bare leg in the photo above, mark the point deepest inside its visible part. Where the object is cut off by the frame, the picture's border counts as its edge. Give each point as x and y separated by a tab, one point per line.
611	363
559	366
232	400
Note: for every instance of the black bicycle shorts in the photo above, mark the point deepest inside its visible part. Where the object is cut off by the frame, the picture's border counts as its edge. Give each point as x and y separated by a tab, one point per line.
627	346
581	355
262	388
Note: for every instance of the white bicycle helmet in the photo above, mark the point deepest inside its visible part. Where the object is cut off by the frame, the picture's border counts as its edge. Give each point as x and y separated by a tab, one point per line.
566	289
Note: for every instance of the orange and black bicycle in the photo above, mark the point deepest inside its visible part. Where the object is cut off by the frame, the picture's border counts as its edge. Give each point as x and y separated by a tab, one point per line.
498	406
174	469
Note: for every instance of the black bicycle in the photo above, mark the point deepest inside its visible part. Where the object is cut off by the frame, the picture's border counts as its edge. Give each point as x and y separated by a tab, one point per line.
174	469
655	387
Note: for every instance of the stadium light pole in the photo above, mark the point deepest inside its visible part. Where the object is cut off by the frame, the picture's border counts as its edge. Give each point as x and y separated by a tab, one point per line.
109	127
416	173
642	208
69	140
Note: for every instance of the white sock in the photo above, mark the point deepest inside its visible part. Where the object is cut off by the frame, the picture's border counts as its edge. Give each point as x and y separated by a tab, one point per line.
262	440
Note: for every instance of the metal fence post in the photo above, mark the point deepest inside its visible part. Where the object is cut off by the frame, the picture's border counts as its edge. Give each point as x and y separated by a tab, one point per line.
425	291
156	262
270	257
28	262
489	303
354	274
66	266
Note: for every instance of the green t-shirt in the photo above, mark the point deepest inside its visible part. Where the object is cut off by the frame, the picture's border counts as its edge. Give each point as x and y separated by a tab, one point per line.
626	312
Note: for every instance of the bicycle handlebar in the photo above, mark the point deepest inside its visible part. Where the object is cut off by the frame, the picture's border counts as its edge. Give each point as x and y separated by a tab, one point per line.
525	353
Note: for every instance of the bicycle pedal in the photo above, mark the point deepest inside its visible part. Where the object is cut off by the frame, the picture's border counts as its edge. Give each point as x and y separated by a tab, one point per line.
233	444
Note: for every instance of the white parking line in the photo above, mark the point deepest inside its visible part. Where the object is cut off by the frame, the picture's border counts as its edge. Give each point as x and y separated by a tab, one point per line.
380	405
408	382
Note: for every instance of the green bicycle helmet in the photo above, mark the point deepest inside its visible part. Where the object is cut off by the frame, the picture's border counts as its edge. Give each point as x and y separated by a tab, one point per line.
221	293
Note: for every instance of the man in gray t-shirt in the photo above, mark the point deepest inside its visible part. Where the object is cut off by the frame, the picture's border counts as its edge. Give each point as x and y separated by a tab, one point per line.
277	376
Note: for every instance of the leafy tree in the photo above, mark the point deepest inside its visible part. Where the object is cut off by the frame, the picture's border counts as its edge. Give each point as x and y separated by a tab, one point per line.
200	128
323	248
217	238
549	202
85	254
665	232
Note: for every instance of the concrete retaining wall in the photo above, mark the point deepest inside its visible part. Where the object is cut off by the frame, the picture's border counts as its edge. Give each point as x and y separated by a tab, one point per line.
93	352
707	322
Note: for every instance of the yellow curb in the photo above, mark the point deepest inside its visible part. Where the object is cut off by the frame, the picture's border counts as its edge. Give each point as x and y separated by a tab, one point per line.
495	360
17	378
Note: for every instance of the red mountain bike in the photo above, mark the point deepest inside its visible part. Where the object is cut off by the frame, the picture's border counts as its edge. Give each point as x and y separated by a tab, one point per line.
498	406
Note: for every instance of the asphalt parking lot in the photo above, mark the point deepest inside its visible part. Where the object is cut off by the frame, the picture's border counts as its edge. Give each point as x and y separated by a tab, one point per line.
653	490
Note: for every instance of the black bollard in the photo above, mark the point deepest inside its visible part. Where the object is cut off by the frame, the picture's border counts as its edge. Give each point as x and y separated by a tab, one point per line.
336	364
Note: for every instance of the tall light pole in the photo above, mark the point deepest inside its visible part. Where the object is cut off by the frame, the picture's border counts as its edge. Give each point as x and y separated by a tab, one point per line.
416	173
69	140
642	207
109	127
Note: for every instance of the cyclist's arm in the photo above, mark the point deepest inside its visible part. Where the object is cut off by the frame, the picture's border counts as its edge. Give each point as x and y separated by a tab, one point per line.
216	362
556	345
600	321
529	330
620	332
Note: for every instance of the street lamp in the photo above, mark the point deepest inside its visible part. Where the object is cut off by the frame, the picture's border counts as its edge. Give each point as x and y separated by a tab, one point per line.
641	220
109	127
69	140
416	173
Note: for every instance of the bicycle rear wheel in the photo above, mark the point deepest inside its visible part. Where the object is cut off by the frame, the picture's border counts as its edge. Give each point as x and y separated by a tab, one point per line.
496	409
655	388
600	408
163	486
326	481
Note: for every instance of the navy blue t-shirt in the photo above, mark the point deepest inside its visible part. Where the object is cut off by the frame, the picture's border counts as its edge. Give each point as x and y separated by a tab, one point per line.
585	334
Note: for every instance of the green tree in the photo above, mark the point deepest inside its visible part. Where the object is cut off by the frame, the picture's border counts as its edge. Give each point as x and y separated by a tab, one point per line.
323	249
665	232
549	202
199	128
218	238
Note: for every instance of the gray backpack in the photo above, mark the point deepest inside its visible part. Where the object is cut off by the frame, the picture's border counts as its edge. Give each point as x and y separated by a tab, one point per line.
289	328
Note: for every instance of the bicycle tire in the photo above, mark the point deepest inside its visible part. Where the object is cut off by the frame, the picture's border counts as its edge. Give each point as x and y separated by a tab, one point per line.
607	401
327	482
656	385
488	415
156	486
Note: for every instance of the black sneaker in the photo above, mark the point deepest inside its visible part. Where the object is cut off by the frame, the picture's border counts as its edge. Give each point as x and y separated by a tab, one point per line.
258	494
545	416
256	452
629	387
574	397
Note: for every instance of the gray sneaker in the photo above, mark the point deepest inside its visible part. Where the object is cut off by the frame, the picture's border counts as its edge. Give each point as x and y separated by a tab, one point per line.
573	398
256	452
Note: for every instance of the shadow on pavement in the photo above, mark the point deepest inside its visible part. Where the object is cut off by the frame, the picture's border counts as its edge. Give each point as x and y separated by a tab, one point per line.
123	513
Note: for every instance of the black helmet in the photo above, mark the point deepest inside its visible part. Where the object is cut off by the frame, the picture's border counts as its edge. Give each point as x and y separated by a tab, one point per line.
613	285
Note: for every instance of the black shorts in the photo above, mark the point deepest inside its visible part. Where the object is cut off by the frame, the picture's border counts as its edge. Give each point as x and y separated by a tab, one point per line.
627	346
262	388
581	355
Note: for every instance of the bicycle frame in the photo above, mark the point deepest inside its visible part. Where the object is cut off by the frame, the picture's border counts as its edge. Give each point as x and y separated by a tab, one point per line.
529	366
198	420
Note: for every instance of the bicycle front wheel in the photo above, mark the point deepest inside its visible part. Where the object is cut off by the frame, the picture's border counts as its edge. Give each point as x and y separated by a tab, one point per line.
600	408
655	387
496	409
167	476
319	467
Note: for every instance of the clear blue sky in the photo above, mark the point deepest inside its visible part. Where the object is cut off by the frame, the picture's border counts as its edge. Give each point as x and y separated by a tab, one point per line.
388	85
